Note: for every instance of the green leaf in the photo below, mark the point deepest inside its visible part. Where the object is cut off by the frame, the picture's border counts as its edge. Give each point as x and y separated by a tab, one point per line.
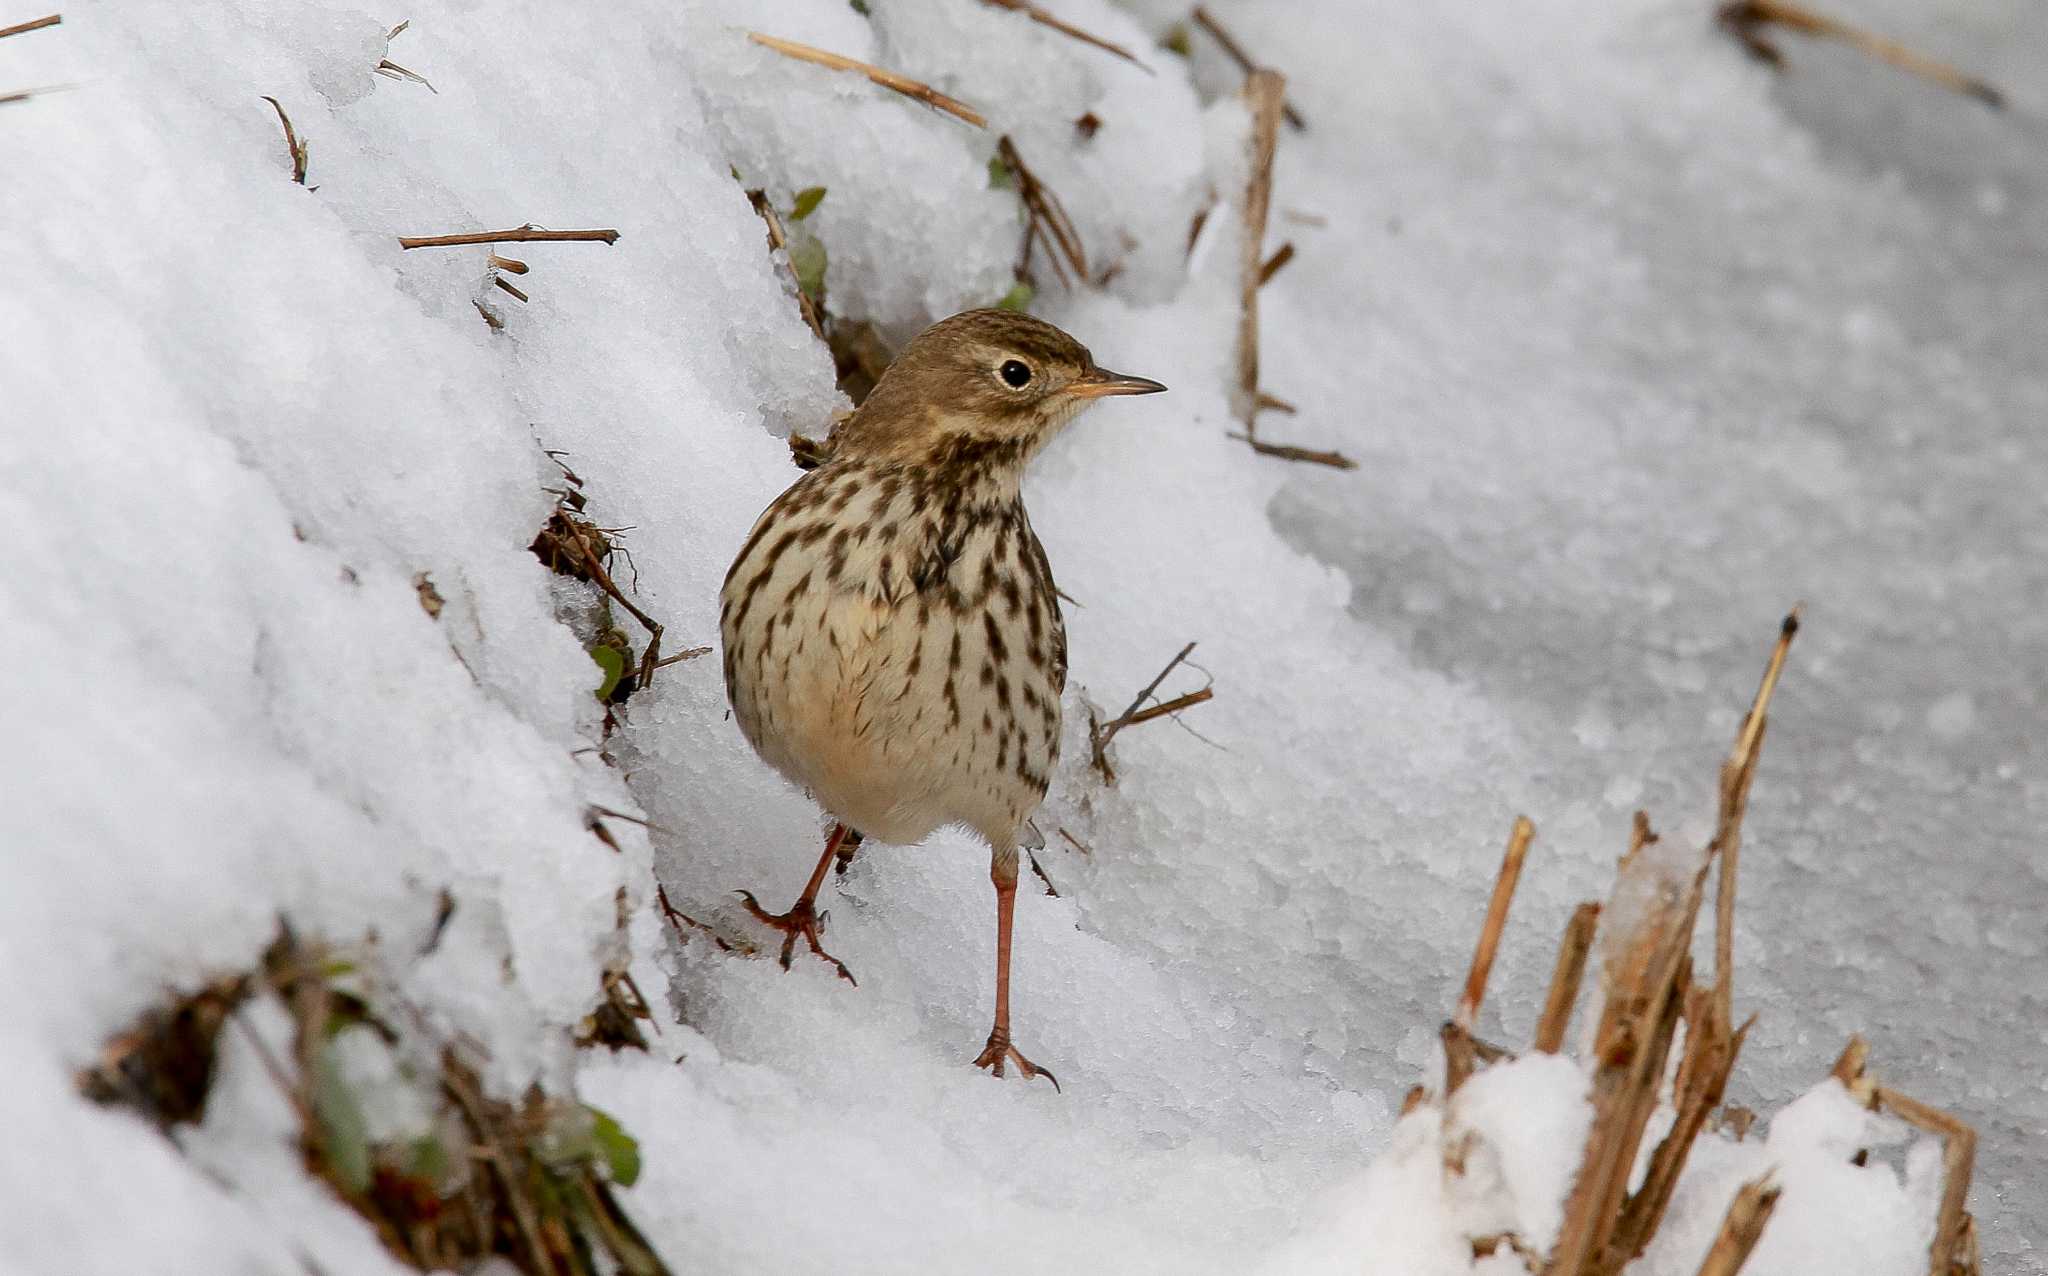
1018	298
344	1135
620	1150
612	656
1176	40
807	258
427	1159
999	175
860	7
807	201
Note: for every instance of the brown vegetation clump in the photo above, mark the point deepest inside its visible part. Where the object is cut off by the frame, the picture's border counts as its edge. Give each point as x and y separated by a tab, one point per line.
1648	988
532	1180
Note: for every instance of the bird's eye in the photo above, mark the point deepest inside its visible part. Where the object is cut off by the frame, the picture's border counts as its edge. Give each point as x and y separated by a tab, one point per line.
1015	373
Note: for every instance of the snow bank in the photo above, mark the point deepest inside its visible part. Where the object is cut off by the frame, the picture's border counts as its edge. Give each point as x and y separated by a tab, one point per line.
242	424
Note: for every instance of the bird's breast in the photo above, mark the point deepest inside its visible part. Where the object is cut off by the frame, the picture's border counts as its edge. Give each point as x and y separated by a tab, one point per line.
895	646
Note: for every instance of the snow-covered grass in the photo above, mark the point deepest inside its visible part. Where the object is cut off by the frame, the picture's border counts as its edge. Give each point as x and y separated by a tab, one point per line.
1636	346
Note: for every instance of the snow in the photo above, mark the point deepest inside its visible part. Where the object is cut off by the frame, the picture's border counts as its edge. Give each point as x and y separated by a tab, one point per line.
1636	344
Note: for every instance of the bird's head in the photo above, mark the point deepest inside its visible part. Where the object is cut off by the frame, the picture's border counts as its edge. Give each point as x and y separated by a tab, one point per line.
983	387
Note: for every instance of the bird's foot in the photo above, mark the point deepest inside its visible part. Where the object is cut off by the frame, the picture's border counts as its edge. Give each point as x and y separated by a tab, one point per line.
800	922
999	1051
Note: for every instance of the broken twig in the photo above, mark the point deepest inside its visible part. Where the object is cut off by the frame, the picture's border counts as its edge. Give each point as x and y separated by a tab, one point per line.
517	235
23	28
1281	256
1045	220
778	241
1100	736
1175	705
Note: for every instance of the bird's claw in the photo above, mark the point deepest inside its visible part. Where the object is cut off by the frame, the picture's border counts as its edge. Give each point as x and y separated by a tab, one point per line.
802	920
999	1051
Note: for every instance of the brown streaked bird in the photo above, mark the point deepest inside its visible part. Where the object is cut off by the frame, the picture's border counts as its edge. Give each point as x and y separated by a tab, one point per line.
893	642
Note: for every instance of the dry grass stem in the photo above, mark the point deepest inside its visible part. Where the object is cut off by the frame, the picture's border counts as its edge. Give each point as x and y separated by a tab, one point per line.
1195	224
510	265
1851	1069
492	319
1510	875
1099	735
1710	1053
1045	221
23	28
1262	92
392	71
1236	53
1954	1250
509	286
517	235
1038	871
1736	774
1288	452
1954	1230
291	140
1045	19
608	813
1565	979
1746	20
1462	1051
778	241
1274	403
1281	256
903	84
23	95
1645	982
682	923
1741	1227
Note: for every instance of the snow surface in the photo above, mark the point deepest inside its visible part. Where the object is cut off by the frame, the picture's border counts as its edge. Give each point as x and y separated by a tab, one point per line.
1636	344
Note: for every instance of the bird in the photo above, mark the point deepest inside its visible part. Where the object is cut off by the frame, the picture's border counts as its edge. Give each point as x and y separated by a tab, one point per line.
892	635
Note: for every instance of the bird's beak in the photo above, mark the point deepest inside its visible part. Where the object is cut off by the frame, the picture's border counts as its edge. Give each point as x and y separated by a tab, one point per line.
1097	383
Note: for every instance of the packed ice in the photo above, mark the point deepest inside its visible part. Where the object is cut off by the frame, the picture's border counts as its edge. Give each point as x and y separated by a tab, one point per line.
1637	342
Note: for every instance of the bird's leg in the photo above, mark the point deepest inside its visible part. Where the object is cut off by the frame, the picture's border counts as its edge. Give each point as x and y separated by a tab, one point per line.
802	917
1002	871
847	847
